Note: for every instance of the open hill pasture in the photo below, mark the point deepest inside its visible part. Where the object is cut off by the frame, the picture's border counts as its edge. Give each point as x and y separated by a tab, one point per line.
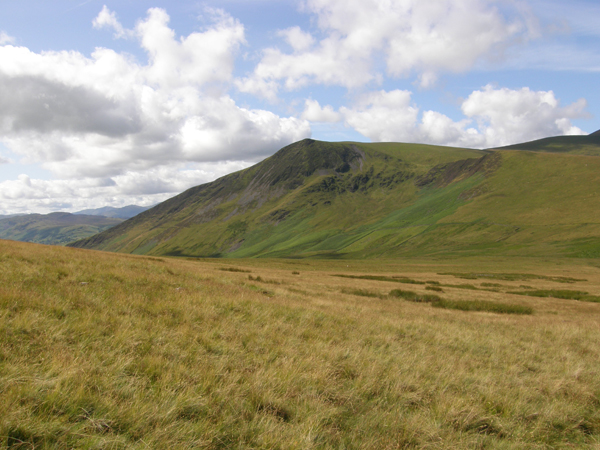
101	350
361	201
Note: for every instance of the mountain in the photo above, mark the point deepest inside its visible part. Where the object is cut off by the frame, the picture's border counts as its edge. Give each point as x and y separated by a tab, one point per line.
126	212
56	228
579	145
355	200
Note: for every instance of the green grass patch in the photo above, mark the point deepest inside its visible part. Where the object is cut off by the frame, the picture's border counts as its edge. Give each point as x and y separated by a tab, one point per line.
414	297
362	293
233	269
470	287
558	293
512	277
482	305
395	279
434	288
461	305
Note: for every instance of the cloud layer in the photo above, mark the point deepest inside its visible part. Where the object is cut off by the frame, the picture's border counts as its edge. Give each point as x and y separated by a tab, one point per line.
410	37
493	117
113	129
109	116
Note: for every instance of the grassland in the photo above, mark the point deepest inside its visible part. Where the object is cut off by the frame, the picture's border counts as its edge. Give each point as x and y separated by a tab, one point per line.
102	350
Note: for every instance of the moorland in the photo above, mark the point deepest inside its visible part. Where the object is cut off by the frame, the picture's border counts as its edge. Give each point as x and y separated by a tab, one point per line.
333	296
349	200
107	350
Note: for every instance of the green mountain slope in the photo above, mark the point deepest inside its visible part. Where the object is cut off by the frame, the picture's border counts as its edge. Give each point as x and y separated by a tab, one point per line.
354	200
55	228
580	145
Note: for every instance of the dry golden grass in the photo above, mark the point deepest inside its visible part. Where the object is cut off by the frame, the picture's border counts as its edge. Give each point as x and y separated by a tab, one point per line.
102	350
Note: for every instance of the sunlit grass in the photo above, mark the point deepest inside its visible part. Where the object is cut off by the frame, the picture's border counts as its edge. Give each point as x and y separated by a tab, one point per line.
112	351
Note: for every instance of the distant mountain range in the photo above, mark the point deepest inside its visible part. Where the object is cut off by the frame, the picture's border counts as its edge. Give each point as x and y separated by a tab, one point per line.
354	200
56	228
126	212
60	228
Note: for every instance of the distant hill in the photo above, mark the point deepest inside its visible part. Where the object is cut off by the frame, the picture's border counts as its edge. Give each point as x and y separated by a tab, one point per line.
353	200
126	212
56	228
578	145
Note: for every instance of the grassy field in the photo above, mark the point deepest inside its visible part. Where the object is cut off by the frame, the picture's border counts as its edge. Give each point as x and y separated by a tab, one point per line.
110	351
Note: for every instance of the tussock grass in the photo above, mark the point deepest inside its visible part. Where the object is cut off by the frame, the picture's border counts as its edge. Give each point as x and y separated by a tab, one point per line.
513	277
434	288
362	293
560	293
461	305
414	297
470	287
261	280
114	351
482	305
395	279
234	269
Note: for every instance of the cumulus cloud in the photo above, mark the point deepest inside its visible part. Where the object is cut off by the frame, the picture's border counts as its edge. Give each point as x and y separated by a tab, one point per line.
108	116
493	117
505	116
298	39
313	112
26	195
410	37
108	19
383	116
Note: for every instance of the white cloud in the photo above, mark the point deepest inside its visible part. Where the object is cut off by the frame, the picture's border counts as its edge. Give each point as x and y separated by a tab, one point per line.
383	116
299	40
493	117
108	19
26	195
6	39
506	116
412	36
313	112
108	116
197	59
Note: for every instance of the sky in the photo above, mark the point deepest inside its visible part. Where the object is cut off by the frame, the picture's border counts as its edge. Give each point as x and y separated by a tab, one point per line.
112	103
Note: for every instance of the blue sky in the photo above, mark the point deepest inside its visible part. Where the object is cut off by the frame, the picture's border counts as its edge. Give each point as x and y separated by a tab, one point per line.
107	103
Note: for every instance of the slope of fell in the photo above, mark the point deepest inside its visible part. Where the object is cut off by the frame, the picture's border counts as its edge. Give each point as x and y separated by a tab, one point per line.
290	201
349	200
580	145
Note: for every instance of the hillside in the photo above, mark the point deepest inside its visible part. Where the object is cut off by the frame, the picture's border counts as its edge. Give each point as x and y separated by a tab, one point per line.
355	200
579	145
55	228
